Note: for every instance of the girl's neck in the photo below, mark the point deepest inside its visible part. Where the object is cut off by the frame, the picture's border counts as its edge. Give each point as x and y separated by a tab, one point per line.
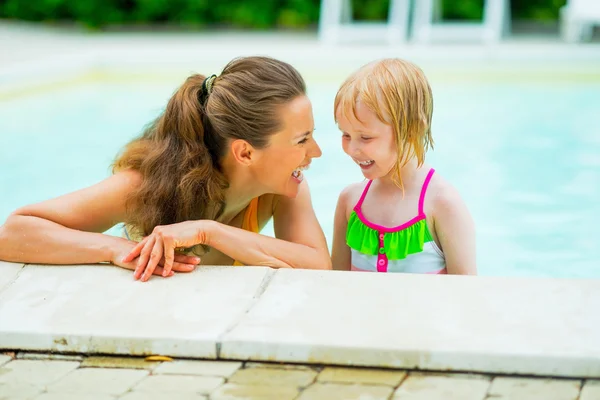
407	174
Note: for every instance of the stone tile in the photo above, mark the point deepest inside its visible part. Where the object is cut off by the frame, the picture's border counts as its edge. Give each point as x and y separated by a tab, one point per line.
119	362
462	375
440	387
305	317
206	368
271	377
161	396
505	388
35	372
232	391
99	381
362	376
74	396
4	359
591	390
44	302
8	272
19	391
334	391
46	356
178	384
281	365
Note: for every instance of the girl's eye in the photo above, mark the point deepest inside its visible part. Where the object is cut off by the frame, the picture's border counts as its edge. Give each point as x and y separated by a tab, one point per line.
303	140
366	138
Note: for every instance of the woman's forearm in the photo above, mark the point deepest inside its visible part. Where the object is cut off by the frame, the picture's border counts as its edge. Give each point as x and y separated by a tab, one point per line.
30	239
255	249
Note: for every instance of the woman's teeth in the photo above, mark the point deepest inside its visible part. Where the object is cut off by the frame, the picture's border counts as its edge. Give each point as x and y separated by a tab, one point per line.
298	172
369	162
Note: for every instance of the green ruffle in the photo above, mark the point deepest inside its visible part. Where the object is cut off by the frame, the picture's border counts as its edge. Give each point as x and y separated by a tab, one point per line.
397	245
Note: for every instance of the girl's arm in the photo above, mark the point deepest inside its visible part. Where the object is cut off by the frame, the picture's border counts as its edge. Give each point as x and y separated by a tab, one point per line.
340	254
299	242
456	232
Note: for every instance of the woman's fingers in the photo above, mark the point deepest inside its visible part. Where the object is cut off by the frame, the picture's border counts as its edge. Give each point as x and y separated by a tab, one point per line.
182	258
144	256
135	252
156	254
169	254
182	263
160	270
177	267
180	267
151	249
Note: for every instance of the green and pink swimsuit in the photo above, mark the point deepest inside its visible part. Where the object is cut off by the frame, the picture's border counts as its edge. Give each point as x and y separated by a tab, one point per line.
407	248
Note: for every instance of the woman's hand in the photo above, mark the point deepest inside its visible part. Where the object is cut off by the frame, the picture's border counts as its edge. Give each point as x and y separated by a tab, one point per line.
161	245
120	258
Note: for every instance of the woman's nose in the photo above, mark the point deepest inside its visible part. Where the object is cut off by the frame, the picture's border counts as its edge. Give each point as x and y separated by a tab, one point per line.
315	150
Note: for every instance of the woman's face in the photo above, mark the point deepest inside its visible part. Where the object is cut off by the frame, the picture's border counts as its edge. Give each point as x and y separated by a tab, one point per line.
278	167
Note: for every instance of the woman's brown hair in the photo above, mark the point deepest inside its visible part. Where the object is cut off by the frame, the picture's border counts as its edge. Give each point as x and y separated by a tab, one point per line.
179	154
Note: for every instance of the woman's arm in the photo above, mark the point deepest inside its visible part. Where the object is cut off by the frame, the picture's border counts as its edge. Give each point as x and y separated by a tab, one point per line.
300	241
455	230
340	254
67	229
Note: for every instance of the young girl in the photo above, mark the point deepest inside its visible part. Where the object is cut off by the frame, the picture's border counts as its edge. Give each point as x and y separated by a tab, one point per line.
404	217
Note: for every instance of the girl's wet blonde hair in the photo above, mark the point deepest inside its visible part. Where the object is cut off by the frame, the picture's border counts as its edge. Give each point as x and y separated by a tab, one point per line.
398	92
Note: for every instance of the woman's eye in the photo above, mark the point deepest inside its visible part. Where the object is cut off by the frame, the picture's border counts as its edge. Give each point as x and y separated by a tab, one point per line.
303	140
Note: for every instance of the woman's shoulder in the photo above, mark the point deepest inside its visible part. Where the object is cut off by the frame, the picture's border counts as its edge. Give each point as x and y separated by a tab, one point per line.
118	185
129	176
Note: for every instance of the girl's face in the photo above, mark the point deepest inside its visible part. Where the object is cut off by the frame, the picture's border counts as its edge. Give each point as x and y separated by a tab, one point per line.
368	141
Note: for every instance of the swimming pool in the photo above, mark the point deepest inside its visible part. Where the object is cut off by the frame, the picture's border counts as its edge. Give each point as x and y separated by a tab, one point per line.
524	155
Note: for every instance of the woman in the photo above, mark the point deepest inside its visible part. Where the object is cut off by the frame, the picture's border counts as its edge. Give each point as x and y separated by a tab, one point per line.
226	155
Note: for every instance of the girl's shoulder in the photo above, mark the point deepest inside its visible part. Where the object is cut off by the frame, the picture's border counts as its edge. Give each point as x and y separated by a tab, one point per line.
350	195
442	196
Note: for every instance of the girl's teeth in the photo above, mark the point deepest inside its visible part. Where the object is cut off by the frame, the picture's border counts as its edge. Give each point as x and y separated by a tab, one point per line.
366	162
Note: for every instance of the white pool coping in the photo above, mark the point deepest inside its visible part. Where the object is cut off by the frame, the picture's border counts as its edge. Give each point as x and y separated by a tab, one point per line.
533	326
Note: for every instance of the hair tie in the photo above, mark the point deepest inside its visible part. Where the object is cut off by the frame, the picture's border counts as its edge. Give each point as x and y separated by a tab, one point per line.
207	88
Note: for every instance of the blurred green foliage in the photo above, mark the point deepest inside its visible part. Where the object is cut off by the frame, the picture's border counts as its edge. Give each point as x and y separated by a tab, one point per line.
253	14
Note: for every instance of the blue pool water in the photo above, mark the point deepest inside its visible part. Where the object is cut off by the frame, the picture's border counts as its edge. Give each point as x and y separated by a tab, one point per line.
525	157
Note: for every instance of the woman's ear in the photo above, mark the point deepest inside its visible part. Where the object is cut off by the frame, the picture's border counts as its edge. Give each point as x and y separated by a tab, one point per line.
243	152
